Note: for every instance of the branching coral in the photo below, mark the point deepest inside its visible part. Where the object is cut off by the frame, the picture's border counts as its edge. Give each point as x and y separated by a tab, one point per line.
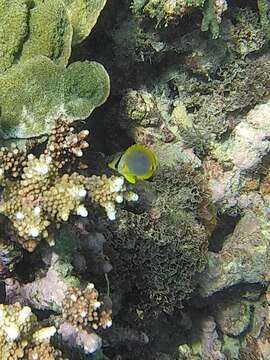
12	161
82	313
78	309
42	197
22	337
82	308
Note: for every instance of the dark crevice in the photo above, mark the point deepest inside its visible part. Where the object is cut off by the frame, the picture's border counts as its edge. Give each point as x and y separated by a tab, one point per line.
17	55
225	226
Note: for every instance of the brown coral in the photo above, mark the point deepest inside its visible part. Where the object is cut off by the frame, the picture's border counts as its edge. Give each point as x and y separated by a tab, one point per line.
22	337
82	308
44	352
42	198
12	161
64	142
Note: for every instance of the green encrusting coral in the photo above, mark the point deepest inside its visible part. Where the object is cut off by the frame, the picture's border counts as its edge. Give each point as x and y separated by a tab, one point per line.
49	28
28	29
83	16
13	29
32	95
49	32
35	47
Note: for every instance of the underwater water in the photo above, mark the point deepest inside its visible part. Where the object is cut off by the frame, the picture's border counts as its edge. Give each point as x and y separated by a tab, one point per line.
134	179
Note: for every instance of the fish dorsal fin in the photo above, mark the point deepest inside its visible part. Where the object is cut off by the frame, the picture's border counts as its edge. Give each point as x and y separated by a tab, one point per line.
115	162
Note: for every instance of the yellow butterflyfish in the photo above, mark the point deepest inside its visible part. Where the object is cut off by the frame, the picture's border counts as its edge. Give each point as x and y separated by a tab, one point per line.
136	163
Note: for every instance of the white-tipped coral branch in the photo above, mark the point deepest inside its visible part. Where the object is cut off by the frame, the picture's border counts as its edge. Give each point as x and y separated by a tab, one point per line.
38	197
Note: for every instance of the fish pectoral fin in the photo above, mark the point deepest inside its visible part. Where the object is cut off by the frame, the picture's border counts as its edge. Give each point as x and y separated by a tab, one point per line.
130	178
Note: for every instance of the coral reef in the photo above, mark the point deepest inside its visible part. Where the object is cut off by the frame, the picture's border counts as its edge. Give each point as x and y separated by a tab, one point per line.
168	244
42	196
235	330
54	41
244	257
184	267
10	255
78	309
212	16
198	112
246	35
22	337
239	157
28	30
164	11
13	17
239	270
213	10
81	308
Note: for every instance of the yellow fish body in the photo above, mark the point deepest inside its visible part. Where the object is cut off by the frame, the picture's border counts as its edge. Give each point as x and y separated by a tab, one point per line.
136	163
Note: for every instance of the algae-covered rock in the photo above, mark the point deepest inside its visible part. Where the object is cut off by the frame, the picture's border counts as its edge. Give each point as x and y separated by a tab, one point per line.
245	33
212	16
34	94
242	153
83	15
233	318
205	345
165	10
264	7
244	258
238	328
